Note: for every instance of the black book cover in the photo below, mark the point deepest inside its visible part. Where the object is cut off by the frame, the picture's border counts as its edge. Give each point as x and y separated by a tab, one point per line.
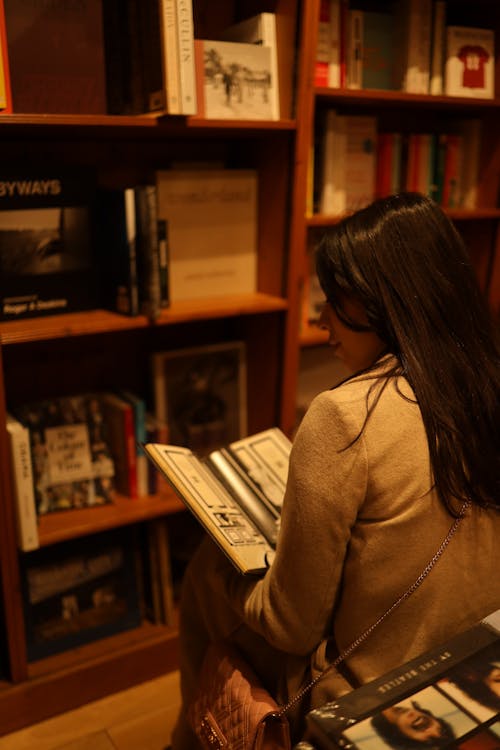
46	243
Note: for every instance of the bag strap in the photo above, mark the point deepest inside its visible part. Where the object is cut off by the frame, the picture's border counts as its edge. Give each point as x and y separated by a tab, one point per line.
358	641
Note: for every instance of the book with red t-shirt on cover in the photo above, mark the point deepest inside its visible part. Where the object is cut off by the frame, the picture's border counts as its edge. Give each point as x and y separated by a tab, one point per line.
470	62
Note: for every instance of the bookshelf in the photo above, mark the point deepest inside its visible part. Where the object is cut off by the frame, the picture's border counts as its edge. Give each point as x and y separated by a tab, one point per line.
394	110
98	349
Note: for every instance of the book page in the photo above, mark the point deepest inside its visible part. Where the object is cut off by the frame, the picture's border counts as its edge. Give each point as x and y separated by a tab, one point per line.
265	456
213	506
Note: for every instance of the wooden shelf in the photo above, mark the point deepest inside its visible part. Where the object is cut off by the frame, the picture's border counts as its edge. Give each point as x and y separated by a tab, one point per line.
104	321
71	524
382	98
324	220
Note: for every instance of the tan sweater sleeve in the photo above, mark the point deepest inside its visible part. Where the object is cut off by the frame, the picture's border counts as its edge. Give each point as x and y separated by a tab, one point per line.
292	605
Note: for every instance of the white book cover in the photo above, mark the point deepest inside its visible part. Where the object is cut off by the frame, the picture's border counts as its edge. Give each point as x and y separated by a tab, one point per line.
23	484
438	48
332	194
237	81
260	29
360	160
170	56
211	216
334	57
187	72
470	62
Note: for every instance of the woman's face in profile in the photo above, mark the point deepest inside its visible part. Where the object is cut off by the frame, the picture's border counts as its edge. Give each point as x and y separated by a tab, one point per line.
356	349
492	681
414	724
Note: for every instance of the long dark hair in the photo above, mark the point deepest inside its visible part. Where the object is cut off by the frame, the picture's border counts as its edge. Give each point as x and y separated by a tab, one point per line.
404	261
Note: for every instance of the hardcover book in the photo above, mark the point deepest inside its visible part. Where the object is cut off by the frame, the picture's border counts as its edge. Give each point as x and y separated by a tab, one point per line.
447	697
79	591
120	423
46	240
470	62
237	81
210	216
56	54
72	464
259	29
327	63
235	492
200	393
23	484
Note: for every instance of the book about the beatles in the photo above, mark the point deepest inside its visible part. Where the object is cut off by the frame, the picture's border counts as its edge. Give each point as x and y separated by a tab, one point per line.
447	697
235	492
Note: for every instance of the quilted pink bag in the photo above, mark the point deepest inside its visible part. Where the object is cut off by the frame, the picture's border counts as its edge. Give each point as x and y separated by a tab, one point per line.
233	711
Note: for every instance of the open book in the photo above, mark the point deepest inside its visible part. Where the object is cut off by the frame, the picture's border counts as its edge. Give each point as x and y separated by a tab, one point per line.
235	492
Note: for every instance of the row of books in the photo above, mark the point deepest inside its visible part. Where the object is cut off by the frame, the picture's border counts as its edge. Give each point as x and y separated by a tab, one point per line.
134	57
96	586
66	245
416	48
77	451
355	163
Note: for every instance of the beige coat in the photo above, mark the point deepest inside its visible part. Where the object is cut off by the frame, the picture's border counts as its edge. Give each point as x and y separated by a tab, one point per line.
359	524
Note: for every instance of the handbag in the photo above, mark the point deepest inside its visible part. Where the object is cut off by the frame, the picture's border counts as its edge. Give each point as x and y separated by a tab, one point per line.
233	711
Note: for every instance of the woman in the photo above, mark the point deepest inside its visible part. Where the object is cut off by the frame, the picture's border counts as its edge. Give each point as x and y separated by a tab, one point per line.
379	467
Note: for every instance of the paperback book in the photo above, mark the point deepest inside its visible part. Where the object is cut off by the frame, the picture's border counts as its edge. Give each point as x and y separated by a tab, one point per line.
235	492
470	62
447	697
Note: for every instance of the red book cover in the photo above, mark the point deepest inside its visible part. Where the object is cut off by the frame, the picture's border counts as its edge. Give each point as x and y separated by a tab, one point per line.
383	178
5	92
119	416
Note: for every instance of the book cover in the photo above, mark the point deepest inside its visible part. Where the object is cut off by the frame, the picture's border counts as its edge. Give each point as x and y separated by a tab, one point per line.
56	55
170	57
117	236
79	591
260	29
185	41
23	484
237	81
378	50
46	243
5	90
120	421
470	62
148	250
201	394
70	452
211	216
235	493
435	700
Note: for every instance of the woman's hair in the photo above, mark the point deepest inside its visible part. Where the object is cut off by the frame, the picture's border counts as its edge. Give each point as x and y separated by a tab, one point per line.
405	262
470	678
394	737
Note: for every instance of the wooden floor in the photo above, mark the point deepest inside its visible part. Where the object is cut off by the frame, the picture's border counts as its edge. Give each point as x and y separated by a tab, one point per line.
140	718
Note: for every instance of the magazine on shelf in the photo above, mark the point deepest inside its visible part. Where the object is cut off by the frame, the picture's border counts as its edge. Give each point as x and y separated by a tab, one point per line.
235	492
447	697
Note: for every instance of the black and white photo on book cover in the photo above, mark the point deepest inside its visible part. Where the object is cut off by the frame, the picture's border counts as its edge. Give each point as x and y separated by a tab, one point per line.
201	393
46	263
237	81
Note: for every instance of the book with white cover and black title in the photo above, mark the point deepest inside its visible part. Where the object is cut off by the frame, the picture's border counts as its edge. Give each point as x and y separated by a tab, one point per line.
235	492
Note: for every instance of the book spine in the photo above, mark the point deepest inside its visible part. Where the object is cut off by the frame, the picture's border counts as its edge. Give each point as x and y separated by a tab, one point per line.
139	406
384	164
323	45
5	91
148	251
334	61
131	233
268	25
333	199
343	33
152	56
355	49
164	259
119	417
438	47
185	31
170	56
417	73
471	145
24	492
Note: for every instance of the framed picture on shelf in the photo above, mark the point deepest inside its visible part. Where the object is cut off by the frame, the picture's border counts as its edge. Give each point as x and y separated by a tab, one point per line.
201	394
79	591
